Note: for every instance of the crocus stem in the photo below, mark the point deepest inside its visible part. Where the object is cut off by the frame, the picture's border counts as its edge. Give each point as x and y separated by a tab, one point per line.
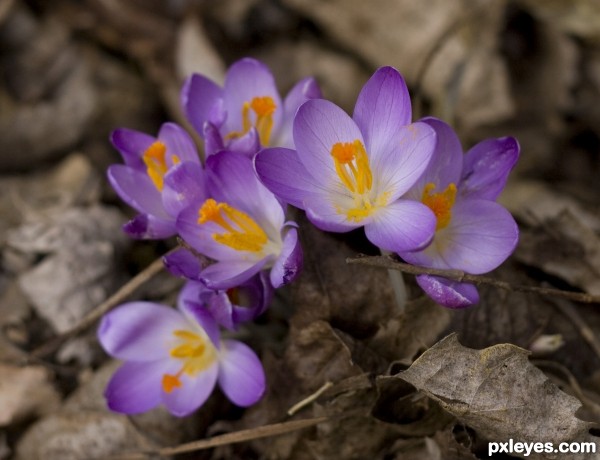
398	285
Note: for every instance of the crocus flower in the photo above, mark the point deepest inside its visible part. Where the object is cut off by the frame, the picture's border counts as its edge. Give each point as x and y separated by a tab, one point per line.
247	112
352	172
174	358
161	176
234	306
241	227
473	232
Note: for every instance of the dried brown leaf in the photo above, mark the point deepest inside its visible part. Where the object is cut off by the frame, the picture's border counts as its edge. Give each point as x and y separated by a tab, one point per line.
499	393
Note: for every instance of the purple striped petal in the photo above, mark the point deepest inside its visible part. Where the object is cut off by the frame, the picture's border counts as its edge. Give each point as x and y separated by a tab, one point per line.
446	163
325	215
231	178
213	141
403	160
131	145
302	91
404	225
136	387
281	171
319	124
382	107
241	375
193	392
230	273
448	293
137	190
183	263
487	166
184	185
288	265
201	98
198	313
480	236
148	227
139	331
178	142
245	80
248	144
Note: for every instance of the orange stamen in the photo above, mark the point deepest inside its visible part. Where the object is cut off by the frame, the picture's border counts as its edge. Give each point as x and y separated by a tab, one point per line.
440	203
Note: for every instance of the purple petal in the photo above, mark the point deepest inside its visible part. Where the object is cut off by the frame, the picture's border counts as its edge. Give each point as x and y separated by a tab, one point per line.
319	124
382	107
445	166
241	375
302	91
198	313
403	160
404	225
199	98
253	298
184	185
139	331
230	273
231	179
282	173
221	308
248	144
448	293
245	80
137	190
131	144
148	227
480	236
193	392
288	265
487	166
136	387
325	215
178	142
213	141
183	263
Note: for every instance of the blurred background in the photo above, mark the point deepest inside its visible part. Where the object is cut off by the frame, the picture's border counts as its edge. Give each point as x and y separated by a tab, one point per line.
71	71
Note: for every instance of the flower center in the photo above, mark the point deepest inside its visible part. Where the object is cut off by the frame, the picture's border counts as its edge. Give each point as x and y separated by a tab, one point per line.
263	108
155	159
352	167
242	233
195	353
440	203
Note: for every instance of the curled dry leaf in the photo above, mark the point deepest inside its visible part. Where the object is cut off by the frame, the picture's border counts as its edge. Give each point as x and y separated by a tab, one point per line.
499	393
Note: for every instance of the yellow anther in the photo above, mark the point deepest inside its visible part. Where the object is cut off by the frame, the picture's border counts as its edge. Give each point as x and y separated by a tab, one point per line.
440	203
242	233
352	166
263	107
196	353
155	159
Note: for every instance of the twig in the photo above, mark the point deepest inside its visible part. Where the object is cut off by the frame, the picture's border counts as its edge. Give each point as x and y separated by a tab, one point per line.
229	438
309	399
90	319
460	276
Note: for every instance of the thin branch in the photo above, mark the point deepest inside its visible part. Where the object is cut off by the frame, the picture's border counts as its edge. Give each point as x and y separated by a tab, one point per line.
90	319
309	399
460	276
584	330
265	431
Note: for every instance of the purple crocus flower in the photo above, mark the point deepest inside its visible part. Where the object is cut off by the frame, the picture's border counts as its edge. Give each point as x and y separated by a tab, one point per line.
473	232
352	172
247	112
233	306
241	227
174	358
161	176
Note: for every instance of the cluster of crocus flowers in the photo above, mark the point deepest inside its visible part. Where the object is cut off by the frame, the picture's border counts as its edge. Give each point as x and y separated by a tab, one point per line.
407	183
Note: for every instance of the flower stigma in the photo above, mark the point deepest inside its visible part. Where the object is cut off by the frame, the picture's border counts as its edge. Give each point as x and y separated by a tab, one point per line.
196	354
242	233
263	107
155	159
352	167
440	203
